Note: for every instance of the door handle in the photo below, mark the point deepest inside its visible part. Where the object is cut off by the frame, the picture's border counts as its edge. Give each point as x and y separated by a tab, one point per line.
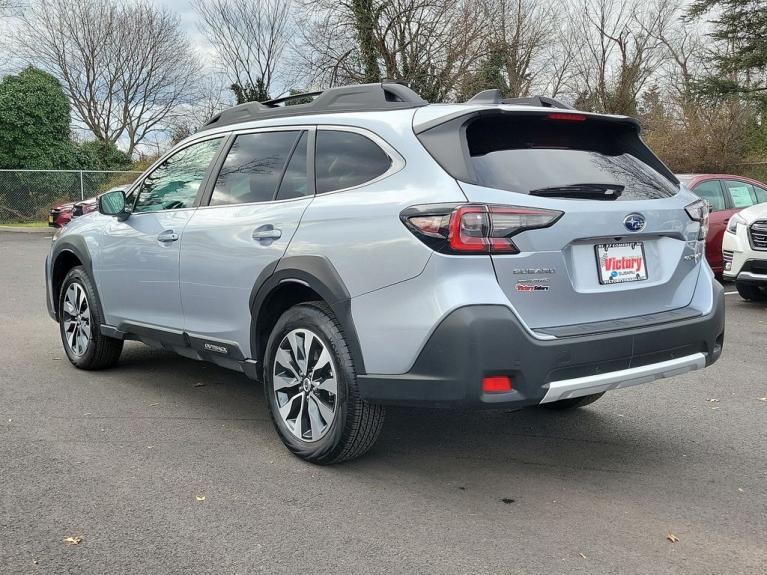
167	236
267	232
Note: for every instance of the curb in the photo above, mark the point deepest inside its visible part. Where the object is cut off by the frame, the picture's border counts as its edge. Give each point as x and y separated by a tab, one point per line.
20	230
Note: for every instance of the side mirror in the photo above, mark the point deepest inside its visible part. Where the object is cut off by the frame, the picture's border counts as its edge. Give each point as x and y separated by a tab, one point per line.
112	203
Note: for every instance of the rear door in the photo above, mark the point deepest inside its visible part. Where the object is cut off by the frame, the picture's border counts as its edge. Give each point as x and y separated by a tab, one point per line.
742	194
255	205
624	246
721	211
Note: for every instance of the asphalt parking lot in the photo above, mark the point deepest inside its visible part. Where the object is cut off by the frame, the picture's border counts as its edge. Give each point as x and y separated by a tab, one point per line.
123	459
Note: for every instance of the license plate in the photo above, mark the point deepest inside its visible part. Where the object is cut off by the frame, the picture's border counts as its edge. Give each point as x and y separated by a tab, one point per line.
621	263
50	219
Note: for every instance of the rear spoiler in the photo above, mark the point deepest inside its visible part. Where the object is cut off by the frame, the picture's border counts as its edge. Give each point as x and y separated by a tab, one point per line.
444	137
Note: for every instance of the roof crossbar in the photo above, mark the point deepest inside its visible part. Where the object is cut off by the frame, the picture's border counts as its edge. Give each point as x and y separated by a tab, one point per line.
380	96
495	97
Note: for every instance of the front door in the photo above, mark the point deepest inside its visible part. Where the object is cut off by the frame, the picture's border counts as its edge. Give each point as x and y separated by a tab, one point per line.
137	270
256	204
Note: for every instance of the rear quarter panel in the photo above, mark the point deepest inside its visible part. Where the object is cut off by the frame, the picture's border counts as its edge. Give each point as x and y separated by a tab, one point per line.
359	230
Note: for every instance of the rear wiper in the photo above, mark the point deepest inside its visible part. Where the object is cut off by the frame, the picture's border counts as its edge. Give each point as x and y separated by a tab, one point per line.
581	191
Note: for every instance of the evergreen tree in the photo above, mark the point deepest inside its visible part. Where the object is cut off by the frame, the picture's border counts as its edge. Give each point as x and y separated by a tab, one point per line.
741	25
34	122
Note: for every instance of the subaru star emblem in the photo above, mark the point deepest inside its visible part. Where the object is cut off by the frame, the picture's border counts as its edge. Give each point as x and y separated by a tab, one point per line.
634	222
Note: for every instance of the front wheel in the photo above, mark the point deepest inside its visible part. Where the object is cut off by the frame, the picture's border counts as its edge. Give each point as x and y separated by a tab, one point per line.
311	389
80	320
751	292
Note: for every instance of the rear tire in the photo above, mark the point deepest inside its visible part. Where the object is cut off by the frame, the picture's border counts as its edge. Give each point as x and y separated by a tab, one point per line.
573	402
751	292
311	388
80	319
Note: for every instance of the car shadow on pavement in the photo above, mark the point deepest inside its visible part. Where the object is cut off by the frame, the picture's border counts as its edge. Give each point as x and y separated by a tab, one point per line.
594	438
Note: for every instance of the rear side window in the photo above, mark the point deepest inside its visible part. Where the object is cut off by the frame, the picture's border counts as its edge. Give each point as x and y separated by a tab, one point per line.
572	159
741	193
711	190
253	168
347	159
295	182
761	194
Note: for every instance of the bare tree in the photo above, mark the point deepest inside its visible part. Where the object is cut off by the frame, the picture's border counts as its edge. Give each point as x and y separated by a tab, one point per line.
249	37
619	50
210	99
125	66
433	44
520	31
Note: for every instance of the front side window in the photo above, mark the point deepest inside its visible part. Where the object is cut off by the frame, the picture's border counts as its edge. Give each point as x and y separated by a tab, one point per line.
761	194
711	190
347	159
253	168
741	193
174	183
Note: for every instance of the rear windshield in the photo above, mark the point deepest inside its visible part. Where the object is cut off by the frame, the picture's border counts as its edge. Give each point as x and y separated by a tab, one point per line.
562	158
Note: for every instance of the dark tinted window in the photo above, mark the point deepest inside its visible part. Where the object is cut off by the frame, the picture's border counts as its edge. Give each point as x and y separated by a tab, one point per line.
711	190
253	168
562	158
295	182
174	183
347	159
741	193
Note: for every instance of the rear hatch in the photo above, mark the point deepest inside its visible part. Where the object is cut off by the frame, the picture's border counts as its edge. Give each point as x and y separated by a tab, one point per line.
624	245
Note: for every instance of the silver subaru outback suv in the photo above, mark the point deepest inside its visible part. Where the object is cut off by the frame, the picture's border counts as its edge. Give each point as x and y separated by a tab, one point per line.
368	248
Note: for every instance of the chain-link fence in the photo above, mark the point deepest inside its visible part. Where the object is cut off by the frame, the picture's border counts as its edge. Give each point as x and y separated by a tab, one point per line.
28	195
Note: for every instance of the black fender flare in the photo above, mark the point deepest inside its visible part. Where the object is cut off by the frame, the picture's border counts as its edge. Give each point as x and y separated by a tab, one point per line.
76	246
317	273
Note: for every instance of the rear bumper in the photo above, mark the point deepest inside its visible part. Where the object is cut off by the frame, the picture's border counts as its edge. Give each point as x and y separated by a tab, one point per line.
473	342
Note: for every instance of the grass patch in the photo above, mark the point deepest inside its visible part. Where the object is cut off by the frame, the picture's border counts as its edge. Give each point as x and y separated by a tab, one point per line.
26	225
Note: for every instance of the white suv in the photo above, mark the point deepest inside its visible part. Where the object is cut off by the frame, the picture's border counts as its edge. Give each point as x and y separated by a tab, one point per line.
745	252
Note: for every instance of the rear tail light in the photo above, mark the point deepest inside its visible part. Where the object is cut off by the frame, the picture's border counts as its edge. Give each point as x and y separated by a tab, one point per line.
698	212
475	228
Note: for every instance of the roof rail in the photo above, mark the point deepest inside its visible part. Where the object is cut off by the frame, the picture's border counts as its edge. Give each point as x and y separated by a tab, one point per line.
275	101
495	97
357	98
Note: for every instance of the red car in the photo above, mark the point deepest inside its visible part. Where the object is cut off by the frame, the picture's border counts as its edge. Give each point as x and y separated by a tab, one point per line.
62	214
727	194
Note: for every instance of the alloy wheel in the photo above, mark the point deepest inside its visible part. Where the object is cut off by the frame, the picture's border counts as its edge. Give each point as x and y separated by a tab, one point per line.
305	385
77	319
